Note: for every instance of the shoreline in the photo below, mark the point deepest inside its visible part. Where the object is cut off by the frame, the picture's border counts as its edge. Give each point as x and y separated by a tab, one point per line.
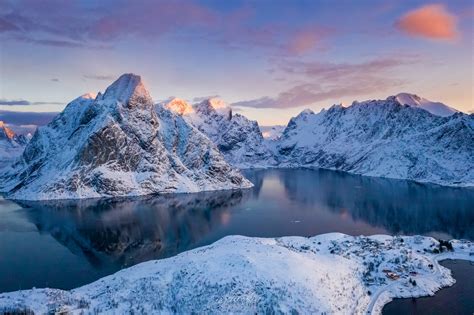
330	272
383	297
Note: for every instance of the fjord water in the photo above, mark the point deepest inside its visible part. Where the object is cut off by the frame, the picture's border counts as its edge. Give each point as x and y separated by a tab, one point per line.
65	244
457	299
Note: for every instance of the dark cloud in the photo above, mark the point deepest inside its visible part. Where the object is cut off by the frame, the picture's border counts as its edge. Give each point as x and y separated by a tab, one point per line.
26	118
4	102
63	43
52	42
55	79
7	26
99	77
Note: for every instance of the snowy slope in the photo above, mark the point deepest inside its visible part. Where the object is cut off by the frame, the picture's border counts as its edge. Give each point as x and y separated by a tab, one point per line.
272	132
117	145
435	108
330	273
238	138
384	139
11	145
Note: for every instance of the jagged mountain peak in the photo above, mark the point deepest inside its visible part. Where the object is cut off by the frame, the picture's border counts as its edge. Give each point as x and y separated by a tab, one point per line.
407	98
307	111
179	106
89	96
212	106
129	89
6	132
413	100
11	145
217	103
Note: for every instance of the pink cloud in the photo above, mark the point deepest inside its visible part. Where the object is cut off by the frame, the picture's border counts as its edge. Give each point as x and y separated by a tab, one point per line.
430	21
326	81
303	41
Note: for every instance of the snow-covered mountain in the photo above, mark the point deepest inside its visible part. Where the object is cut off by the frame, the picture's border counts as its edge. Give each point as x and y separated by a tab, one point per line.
11	145
238	138
435	108
395	138
118	145
382	138
272	132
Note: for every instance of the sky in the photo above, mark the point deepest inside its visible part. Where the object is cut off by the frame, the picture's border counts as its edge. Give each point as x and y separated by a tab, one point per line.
268	59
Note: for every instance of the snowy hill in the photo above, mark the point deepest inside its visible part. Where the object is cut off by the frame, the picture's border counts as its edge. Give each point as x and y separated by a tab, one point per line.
118	145
384	139
435	108
324	274
238	138
11	145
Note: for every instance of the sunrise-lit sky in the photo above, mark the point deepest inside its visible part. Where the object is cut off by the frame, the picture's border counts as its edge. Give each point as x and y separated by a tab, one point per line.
269	59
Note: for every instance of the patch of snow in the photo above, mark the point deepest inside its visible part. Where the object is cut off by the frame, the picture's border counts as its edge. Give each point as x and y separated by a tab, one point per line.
435	108
272	132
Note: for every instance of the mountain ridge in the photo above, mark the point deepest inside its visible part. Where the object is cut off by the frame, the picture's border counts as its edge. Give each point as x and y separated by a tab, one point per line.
395	138
382	138
118	145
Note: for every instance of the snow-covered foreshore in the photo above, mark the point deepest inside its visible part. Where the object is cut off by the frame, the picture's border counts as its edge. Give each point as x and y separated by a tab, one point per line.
329	273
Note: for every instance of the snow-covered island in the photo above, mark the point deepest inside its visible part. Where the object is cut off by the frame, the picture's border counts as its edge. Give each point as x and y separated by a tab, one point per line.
330	273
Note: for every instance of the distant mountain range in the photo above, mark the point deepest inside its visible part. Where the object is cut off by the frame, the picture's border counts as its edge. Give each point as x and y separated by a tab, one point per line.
119	143
382	138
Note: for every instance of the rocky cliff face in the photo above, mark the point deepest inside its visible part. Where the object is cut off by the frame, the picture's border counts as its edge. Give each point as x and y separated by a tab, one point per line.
238	138
118	145
384	139
11	145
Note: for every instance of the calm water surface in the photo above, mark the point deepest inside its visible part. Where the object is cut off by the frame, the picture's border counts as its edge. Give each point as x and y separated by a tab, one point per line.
455	300
65	244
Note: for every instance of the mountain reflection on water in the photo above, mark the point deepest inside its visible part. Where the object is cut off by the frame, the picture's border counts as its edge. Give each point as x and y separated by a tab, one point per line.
75	242
128	231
